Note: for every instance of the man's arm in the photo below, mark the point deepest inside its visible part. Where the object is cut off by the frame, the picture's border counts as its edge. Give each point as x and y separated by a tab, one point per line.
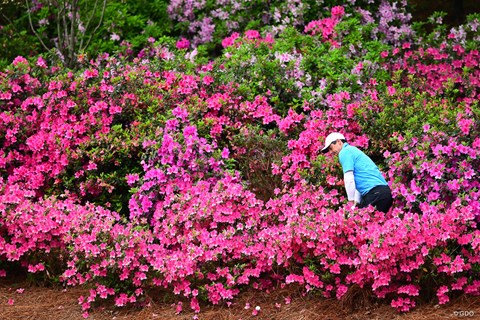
358	196
350	185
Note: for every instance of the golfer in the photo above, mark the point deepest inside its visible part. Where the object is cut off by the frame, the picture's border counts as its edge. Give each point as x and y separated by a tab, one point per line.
364	182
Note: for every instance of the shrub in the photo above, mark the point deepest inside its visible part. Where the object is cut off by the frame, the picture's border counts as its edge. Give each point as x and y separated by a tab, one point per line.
166	170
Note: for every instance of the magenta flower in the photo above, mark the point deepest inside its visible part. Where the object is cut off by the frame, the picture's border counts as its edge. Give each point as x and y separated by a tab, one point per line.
132	178
229	41
20	60
41	62
207	80
183	43
252	34
225	153
338	11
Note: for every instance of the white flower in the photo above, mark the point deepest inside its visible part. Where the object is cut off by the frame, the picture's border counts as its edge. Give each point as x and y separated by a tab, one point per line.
114	37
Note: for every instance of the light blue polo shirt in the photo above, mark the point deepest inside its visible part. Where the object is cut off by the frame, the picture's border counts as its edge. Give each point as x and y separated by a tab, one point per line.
365	171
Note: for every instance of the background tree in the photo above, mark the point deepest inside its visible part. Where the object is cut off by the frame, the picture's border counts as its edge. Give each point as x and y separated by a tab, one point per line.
72	22
29	28
15	35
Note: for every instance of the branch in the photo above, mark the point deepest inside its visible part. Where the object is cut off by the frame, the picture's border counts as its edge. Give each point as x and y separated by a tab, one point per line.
73	29
59	31
98	25
89	21
33	29
9	21
62	17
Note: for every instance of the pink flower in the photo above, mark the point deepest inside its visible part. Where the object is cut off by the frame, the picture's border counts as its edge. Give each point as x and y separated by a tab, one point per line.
229	41
341	291
442	295
465	125
90	73
36	268
402	304
121	300
459	284
207	80
324	27
91	166
5	96
11	302
179	307
337	11
183	43
252	34
225	153
180	113
411	290
195	305
391	90
20	60
41	62
187	84
291	278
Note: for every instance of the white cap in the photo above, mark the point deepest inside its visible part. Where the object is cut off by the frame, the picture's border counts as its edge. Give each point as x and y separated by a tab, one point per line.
334	136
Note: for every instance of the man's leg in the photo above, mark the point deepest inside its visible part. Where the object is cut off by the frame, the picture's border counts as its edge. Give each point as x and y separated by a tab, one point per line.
380	197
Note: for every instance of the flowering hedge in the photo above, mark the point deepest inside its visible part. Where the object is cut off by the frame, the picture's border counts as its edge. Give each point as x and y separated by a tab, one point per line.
205	177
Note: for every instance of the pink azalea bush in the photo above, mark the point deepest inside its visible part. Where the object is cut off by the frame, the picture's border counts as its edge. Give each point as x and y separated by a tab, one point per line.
204	178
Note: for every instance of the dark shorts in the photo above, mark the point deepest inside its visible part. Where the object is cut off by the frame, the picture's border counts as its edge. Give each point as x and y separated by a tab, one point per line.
380	197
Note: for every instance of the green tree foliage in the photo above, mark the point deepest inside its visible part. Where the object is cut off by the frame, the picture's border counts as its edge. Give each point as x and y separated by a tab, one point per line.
15	38
67	28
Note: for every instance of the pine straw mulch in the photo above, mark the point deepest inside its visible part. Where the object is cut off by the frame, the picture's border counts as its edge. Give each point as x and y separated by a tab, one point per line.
50	303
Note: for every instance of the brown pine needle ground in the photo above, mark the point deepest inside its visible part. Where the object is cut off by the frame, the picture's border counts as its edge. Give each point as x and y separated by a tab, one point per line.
45	303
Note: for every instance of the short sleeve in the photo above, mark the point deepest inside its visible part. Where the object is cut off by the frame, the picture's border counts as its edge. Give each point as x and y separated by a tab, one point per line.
346	160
